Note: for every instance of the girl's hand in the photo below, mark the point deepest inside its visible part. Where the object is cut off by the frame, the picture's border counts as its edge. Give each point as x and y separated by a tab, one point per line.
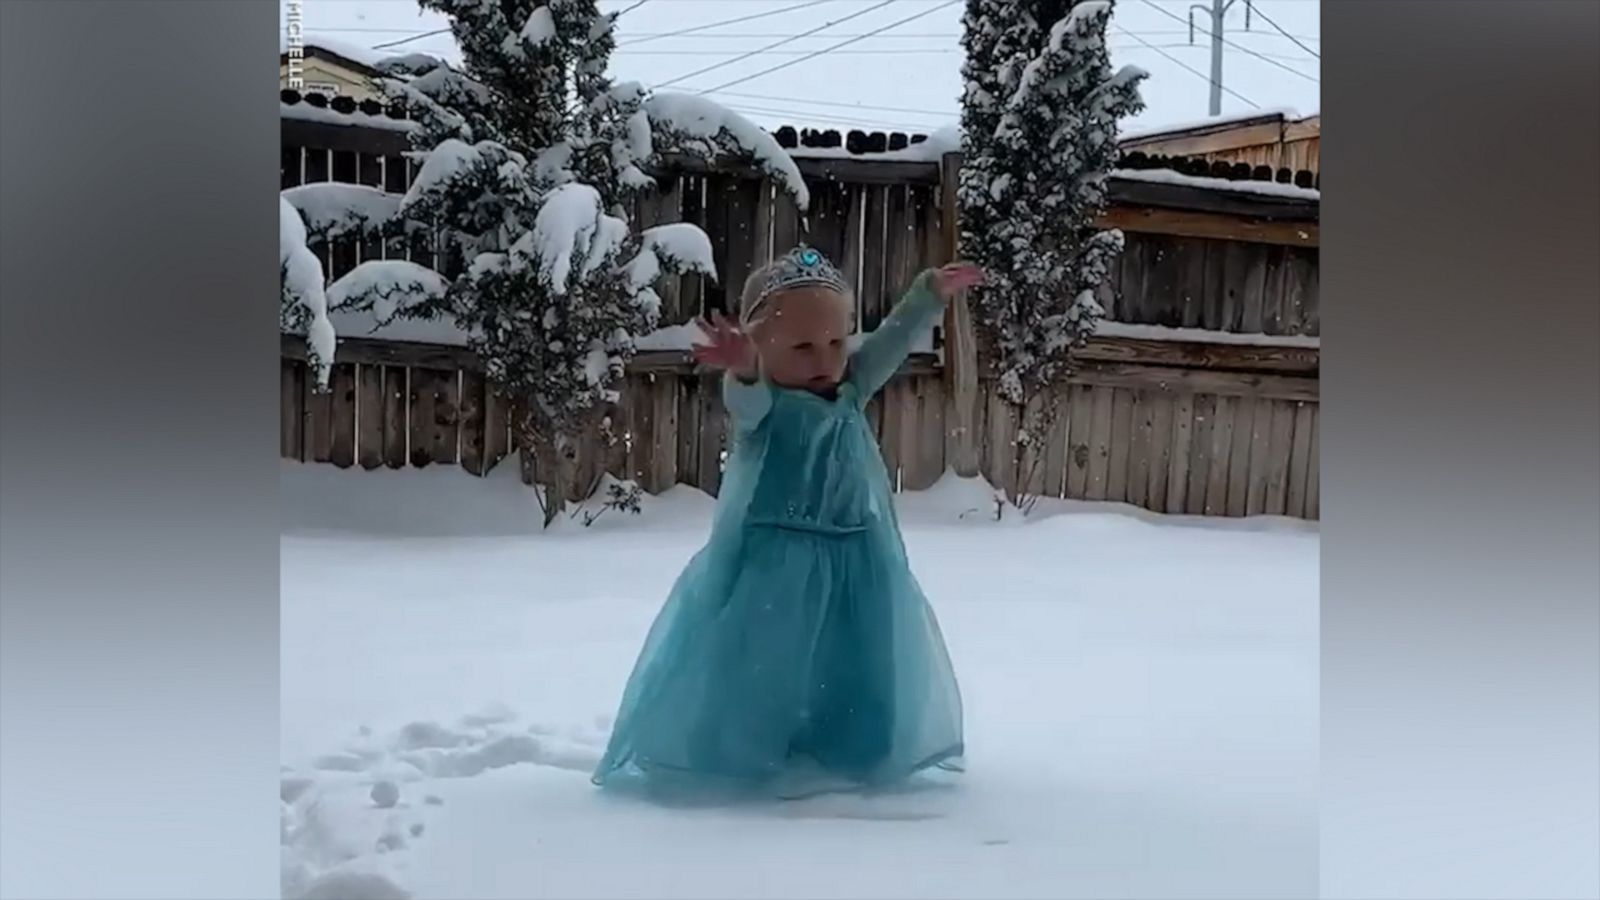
955	277
727	347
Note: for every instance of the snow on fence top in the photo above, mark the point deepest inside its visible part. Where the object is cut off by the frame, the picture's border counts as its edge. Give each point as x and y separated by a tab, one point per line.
896	146
803	144
1239	185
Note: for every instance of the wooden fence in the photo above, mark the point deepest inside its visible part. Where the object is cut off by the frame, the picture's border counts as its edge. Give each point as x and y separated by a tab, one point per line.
1206	424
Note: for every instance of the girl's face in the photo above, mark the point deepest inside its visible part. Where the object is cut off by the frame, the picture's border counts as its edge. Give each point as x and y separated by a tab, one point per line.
801	339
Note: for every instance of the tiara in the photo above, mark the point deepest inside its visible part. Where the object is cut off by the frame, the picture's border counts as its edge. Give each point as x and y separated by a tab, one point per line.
802	267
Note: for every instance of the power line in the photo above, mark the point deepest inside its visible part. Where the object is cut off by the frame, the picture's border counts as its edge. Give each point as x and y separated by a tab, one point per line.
718	24
1197	47
790	115
901	51
948	35
359	30
414	37
774	45
793	62
645	36
1188	68
1240	47
865	107
691	30
1286	34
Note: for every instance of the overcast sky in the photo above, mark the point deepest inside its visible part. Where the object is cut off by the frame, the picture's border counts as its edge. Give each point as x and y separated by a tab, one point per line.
907	77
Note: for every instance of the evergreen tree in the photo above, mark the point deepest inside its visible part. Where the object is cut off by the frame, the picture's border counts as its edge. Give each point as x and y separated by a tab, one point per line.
531	160
1039	127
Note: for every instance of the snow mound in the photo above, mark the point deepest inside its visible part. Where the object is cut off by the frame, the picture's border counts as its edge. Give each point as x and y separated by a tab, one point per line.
334	210
388	287
351	886
540	27
444	163
447	501
954	499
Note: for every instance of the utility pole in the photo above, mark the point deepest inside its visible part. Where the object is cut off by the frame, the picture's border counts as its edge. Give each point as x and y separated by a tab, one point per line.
1217	13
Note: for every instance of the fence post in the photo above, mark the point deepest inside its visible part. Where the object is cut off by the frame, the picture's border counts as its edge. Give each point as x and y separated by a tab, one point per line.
960	348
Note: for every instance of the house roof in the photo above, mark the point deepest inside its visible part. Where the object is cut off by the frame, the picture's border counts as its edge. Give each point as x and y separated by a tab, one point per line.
1285	120
342	56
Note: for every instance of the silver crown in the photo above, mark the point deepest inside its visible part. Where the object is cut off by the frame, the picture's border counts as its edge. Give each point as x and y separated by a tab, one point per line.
803	267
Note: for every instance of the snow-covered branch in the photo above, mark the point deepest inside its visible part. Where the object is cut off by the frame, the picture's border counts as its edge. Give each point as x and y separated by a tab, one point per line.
304	304
334	210
677	248
390	289
572	237
688	123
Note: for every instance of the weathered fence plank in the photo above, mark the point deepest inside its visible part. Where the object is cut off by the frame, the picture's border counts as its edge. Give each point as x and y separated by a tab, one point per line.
1100	416
369	415
1260	458
1282	444
687	450
446	400
1179	456
1079	432
929	448
1198	473
420	416
291	403
496	428
473	417
1057	448
1299	460
1121	445
318	430
1163	416
1216	491
396	393
713	426
1313	464
1139	438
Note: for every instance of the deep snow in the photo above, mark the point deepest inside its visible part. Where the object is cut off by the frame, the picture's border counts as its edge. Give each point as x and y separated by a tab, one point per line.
1141	696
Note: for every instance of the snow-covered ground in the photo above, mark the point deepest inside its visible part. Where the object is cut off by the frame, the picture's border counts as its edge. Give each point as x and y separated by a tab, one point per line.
1141	697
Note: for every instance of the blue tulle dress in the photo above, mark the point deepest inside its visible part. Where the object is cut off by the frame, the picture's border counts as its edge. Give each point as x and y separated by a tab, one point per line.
796	652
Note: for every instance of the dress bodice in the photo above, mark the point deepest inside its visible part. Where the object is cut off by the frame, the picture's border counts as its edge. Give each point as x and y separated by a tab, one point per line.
821	469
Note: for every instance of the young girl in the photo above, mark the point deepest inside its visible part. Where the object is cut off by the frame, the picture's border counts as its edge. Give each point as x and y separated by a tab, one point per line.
797	653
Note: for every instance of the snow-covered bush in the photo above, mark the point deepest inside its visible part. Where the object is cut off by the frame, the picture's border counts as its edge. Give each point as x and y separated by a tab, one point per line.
1039	124
530	158
1039	121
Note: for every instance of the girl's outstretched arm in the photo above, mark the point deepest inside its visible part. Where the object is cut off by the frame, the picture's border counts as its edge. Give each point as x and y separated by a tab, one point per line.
744	393
882	351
